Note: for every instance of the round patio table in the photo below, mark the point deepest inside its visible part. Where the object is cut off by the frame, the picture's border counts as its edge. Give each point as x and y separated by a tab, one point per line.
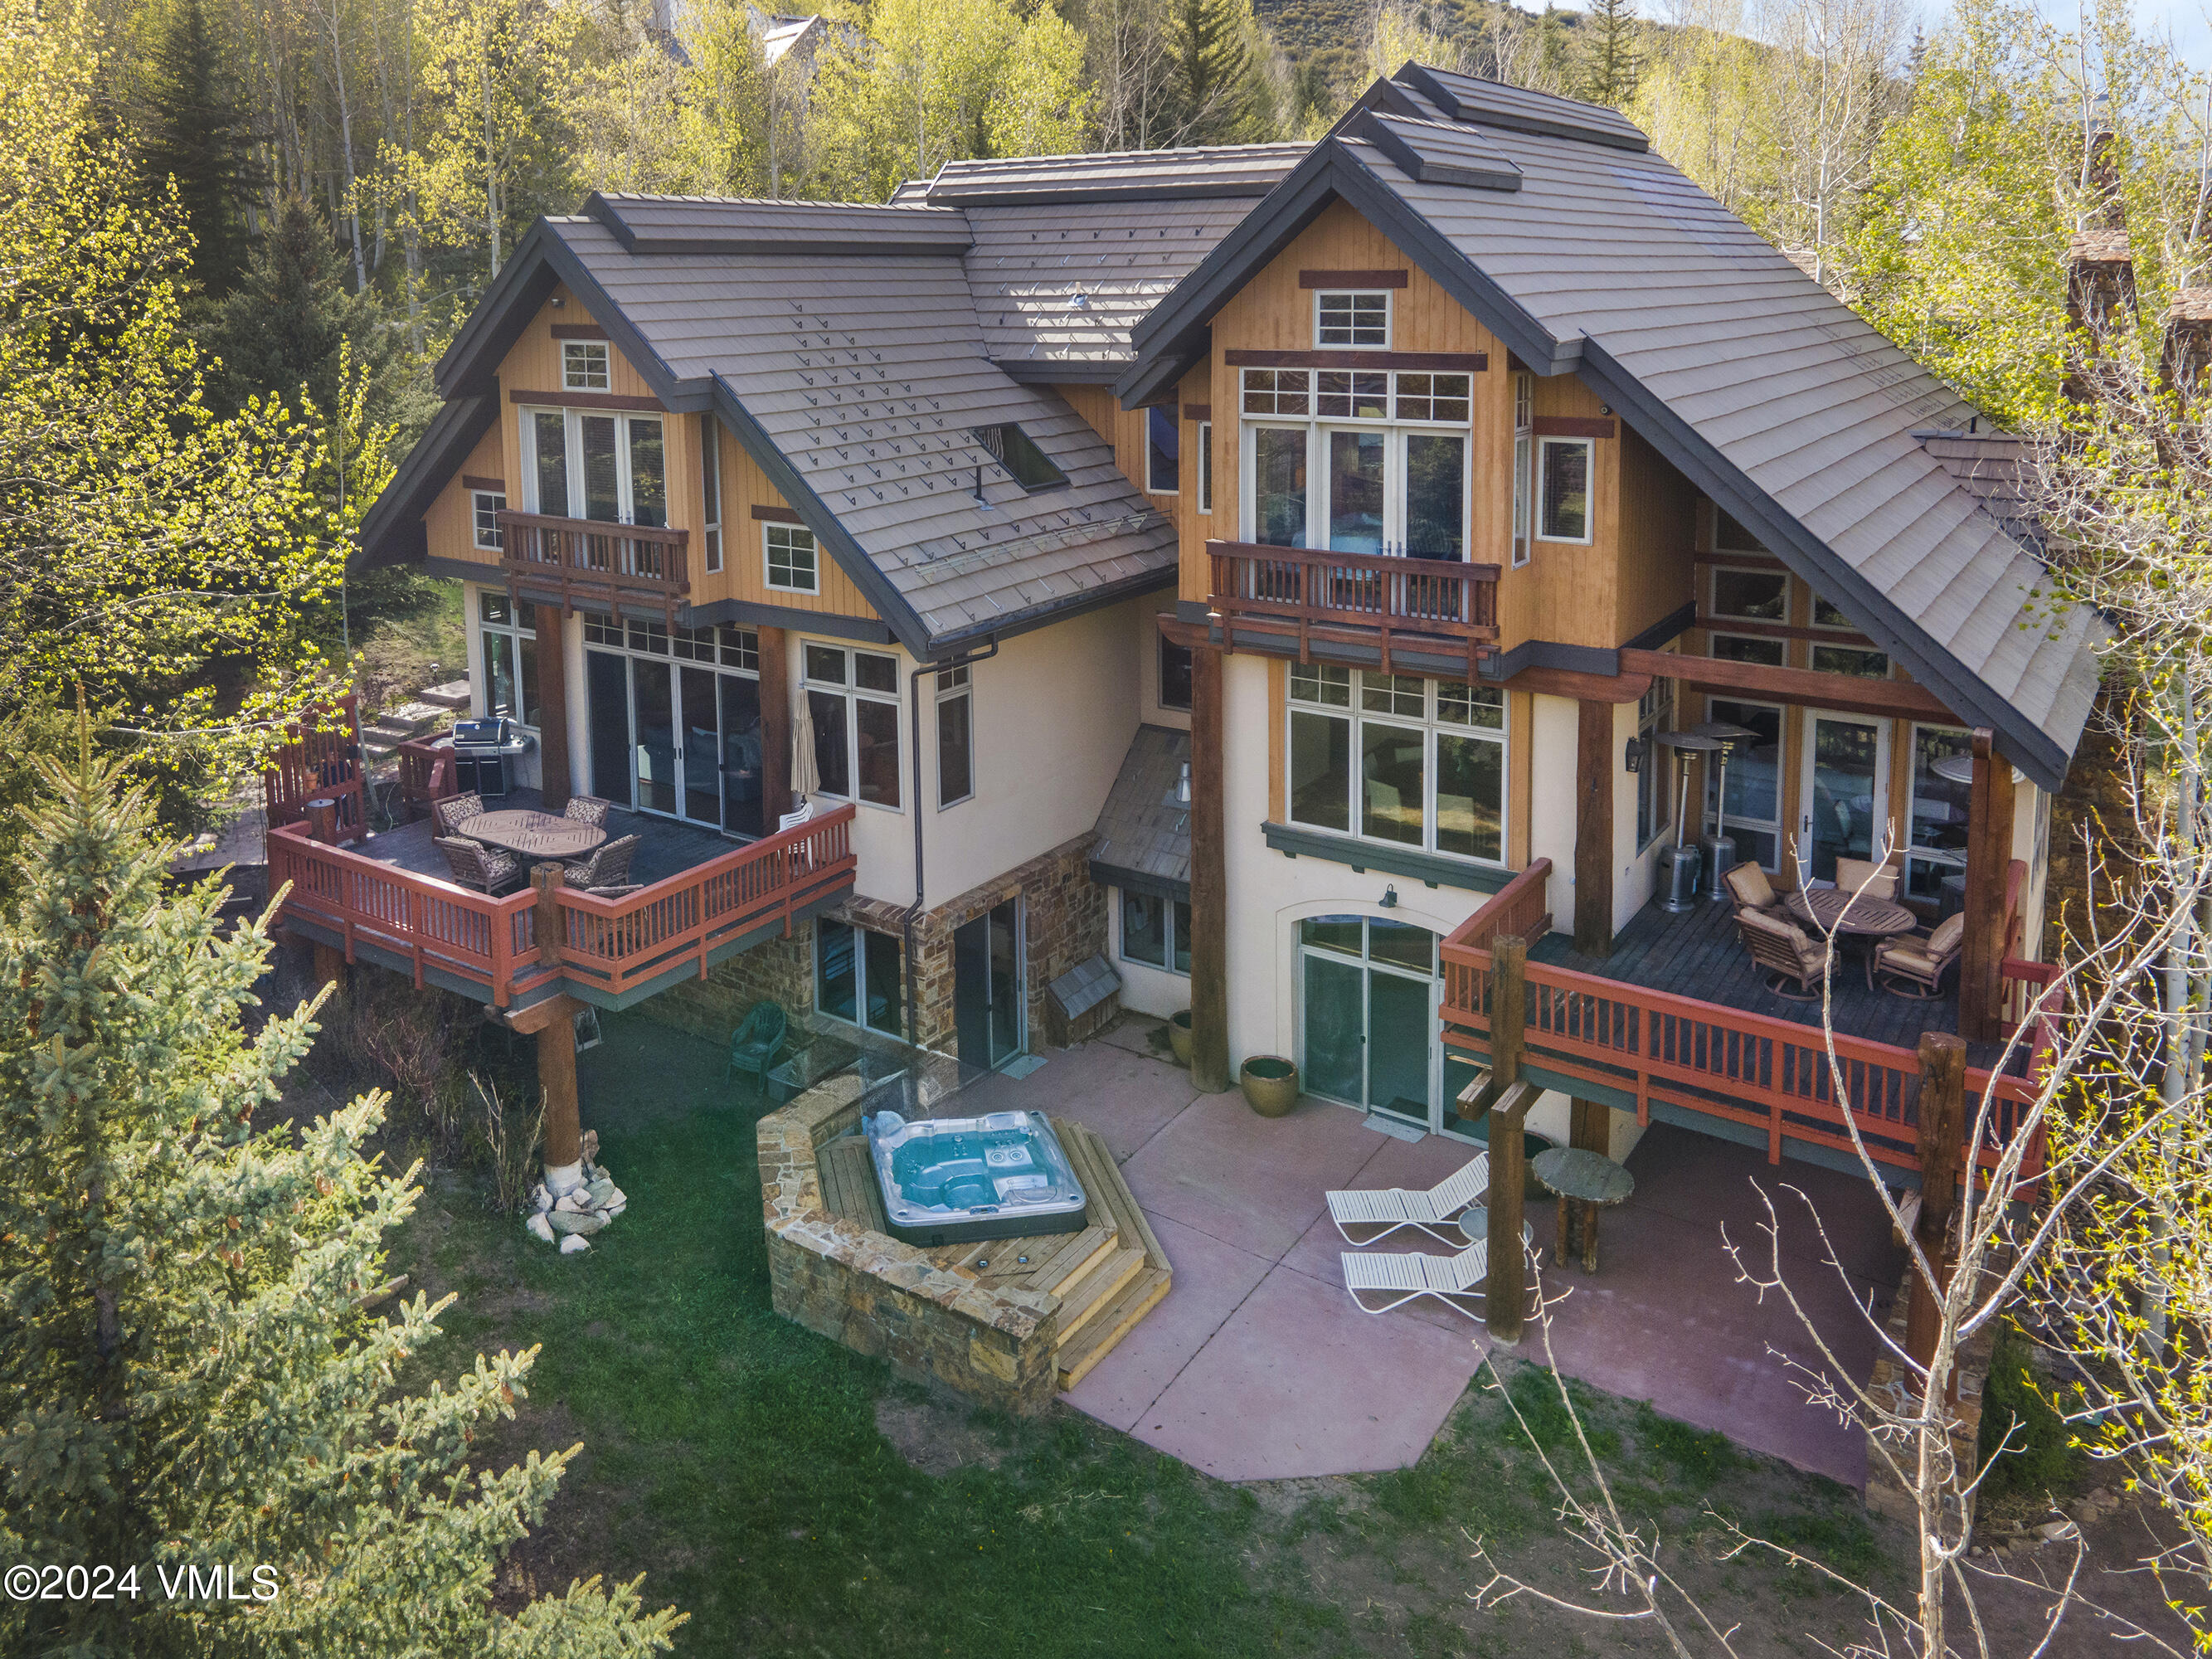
1847	915
533	834
1585	1181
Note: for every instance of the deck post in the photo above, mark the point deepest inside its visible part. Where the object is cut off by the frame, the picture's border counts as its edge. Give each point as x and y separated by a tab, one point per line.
1209	878
1593	769
776	726
556	1075
548	879
1505	1293
1939	1135
1988	858
553	772
330	965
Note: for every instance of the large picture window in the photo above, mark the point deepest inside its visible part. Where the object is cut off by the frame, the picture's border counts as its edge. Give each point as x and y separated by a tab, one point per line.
853	698
610	468
673	720
1393	758
510	660
1376	462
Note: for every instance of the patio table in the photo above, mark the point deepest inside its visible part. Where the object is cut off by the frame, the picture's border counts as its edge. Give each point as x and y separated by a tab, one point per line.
1585	1181
1849	915
535	834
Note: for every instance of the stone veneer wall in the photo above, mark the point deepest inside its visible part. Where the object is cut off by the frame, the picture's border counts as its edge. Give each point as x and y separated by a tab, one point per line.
878	1297
779	968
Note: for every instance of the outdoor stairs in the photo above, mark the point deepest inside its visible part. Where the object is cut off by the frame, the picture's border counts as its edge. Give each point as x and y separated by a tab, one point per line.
1108	1276
395	725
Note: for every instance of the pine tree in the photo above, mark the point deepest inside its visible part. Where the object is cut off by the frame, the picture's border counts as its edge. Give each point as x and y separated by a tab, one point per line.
197	133
280	328
1213	59
187	1378
1611	53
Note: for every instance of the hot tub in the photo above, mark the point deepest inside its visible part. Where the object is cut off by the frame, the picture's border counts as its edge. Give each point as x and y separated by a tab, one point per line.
949	1180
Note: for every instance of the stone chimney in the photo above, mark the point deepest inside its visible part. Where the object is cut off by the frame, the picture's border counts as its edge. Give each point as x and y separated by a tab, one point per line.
2185	355
2100	281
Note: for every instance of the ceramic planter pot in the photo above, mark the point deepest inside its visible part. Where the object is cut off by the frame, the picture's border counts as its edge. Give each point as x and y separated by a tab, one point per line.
1179	1036
1270	1085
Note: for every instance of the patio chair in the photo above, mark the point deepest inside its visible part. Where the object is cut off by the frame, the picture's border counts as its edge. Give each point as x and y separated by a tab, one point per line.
1787	952
607	866
1914	966
1877	881
1453	1279
487	869
447	816
588	809
757	1041
1397	1208
798	815
1749	886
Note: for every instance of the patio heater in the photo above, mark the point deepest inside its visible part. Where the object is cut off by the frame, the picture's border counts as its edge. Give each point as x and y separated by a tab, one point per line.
1720	846
1678	864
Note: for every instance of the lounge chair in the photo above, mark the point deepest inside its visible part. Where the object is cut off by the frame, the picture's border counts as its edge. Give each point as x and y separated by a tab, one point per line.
1914	966
487	869
1453	1280
1787	952
447	816
757	1041
1749	886
607	866
1877	881
1395	1207
588	809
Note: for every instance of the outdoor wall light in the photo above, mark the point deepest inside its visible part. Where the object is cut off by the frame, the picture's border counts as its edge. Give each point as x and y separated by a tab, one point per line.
1390	898
1632	756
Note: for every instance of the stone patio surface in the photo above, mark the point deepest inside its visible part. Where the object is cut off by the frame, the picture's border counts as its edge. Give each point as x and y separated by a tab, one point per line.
1258	1365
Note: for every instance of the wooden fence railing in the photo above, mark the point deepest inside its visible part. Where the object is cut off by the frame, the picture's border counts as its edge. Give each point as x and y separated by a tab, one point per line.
1771	1074
426	769
587	558
1312	594
610	945
318	760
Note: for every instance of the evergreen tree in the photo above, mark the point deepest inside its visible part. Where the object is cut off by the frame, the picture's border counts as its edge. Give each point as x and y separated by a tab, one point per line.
1213	59
187	1378
1611	53
280	329
197	133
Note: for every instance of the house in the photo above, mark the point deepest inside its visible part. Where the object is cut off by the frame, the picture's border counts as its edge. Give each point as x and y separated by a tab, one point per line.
1271	568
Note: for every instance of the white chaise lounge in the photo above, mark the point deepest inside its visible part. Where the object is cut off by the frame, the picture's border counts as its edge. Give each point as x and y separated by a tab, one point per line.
1395	1207
1454	1280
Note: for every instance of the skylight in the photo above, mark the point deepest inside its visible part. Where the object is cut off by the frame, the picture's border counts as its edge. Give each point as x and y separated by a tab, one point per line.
1017	452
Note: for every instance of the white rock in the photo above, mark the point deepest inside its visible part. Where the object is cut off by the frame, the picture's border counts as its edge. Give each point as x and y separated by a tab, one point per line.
573	1203
2050	1529
575	1244
569	1222
538	1227
541	1198
564	1178
614	1210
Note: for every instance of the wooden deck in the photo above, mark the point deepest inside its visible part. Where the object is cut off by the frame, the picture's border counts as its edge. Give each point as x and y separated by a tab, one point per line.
666	848
1107	1277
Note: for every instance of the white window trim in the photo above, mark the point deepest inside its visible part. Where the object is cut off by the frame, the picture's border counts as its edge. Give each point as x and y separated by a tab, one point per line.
1176	488
1661	718
710	477
1544	448
851	692
515	630
1389	317
1121	937
962	688
1205	466
580	350
572	457
1713	593
1945	857
1317	430
1784	753
476	498
768	569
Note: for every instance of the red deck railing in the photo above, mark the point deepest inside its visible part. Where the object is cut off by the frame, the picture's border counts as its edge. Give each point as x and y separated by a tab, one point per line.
1771	1074
318	760
608	944
1312	594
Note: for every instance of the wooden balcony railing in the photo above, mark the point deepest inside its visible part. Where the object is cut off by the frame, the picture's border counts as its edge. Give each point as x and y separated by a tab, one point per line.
1771	1074
1311	594
588	559
318	760
529	943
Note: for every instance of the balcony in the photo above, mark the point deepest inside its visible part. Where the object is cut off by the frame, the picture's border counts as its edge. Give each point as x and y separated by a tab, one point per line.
588	559
1300	596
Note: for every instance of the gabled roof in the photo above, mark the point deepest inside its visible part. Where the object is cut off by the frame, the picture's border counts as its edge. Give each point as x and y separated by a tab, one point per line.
1760	386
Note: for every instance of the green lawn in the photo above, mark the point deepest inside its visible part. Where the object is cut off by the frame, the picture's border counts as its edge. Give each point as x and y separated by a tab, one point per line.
737	1459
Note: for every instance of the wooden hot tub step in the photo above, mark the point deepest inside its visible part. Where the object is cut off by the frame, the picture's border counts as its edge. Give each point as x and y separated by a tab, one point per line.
1089	1295
1111	1323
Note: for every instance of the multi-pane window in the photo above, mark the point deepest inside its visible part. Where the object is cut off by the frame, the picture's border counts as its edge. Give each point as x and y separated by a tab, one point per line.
857	977
1937	853
1753	809
510	659
610	468
1397	486
1752	595
584	365
1162	452
1156	931
710	491
1563	488
853	698
1175	674
1524	427
793	560
1742	647
1205	466
1396	758
1654	713
1351	318
672	720
485	508
1854	660
956	736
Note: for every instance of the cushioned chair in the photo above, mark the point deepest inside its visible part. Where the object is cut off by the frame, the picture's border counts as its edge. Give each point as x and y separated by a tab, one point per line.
588	809
1749	886
487	869
1787	953
1915	966
758	1040
1863	875
607	866
447	816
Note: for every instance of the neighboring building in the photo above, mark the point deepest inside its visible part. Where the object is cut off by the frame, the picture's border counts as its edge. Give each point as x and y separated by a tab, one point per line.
1246	563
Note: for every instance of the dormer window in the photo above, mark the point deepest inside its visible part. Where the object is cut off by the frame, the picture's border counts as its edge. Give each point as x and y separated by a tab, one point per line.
1353	319
584	365
1015	451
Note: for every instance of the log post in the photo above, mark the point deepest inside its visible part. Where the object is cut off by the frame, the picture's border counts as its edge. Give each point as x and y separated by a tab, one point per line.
1988	860
1940	1138
1594	773
1589	1128
776	726
553	771
549	879
1505	1293
1209	878
330	965
323	821
556	1075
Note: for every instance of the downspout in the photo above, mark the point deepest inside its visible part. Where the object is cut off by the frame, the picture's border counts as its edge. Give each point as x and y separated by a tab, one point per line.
913	910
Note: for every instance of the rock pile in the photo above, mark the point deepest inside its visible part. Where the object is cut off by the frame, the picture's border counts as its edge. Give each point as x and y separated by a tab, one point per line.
588	1201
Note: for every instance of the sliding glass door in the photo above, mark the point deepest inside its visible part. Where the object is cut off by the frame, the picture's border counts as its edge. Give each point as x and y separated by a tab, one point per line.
679	737
1368	991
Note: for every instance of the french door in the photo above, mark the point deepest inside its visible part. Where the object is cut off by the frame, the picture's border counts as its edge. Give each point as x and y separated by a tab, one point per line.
1844	790
675	739
612	468
1369	1016
1374	489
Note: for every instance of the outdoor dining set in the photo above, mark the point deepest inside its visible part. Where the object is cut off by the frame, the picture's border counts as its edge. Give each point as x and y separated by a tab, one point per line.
492	851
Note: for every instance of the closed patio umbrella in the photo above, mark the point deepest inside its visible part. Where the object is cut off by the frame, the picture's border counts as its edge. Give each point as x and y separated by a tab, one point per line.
805	775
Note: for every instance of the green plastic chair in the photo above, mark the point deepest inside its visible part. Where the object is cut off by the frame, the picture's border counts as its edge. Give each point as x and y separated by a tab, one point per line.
758	1040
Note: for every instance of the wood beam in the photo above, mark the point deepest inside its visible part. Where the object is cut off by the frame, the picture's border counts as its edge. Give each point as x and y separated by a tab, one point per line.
553	778
1209	878
1593	765
1845	693
775	726
1989	857
1581	685
556	1075
1505	1292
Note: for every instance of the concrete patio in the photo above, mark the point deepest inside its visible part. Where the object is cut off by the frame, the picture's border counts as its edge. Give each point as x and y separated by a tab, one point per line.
1258	1365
